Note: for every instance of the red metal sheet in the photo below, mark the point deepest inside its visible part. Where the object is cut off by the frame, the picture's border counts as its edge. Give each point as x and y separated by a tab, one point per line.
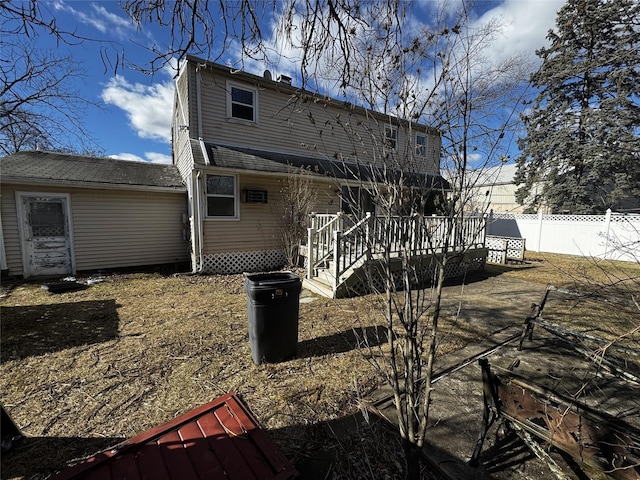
199	450
219	440
175	457
151	462
232	460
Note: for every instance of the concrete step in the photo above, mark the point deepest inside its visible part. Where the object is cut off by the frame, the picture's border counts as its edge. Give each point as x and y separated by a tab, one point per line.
318	287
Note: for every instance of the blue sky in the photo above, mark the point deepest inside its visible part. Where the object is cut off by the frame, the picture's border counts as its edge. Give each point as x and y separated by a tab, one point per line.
134	118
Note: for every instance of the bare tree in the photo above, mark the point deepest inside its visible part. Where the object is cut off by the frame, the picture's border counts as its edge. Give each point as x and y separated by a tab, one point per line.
322	31
39	105
441	77
297	200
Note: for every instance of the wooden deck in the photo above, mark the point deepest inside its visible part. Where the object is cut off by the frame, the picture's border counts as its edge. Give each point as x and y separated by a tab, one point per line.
342	251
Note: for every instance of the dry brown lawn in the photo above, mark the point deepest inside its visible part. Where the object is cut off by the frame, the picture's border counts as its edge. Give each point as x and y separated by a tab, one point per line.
82	370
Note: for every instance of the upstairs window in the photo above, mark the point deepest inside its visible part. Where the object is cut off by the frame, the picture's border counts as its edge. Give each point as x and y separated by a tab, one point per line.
242	103
421	145
221	196
390	137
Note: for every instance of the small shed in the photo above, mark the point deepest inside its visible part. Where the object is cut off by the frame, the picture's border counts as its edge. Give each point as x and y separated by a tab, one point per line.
63	213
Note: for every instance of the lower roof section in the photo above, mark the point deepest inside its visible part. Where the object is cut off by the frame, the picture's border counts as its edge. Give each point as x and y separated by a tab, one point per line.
240	158
219	440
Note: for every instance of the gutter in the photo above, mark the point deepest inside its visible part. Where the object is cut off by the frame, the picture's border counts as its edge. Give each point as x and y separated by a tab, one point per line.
89	185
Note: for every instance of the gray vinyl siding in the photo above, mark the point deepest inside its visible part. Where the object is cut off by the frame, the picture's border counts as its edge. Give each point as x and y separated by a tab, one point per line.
181	120
121	229
10	231
258	226
323	128
111	228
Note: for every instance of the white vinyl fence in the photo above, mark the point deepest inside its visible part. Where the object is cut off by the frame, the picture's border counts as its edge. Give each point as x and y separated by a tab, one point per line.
613	236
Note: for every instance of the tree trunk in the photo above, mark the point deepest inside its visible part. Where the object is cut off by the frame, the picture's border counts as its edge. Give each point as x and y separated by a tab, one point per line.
412	458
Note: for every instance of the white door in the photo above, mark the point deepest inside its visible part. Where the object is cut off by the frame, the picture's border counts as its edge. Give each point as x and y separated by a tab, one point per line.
46	234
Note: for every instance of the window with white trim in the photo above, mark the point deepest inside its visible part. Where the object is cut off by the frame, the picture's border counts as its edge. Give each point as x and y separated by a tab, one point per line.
242	103
222	198
390	137
421	145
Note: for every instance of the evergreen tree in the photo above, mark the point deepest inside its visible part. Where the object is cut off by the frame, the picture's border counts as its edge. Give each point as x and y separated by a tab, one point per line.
581	153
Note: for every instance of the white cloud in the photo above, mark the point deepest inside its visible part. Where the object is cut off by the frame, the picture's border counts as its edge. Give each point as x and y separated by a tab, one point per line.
148	107
99	18
526	24
155	157
152	157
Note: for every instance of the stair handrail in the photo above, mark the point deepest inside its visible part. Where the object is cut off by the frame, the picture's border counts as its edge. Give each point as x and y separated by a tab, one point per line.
351	245
320	238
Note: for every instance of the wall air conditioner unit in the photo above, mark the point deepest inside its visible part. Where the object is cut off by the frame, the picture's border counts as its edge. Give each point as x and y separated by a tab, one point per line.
255	196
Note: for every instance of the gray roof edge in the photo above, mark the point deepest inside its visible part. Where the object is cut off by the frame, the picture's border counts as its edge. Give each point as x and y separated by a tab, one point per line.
333	163
9	180
81	170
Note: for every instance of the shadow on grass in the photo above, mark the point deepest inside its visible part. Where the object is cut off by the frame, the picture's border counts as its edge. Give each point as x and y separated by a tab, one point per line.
39	457
351	447
348	447
491	270
343	341
39	329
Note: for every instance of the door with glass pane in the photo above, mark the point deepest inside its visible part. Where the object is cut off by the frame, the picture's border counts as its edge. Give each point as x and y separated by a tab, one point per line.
46	234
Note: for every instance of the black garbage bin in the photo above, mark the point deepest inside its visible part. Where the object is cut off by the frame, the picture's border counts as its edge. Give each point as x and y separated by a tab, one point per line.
273	305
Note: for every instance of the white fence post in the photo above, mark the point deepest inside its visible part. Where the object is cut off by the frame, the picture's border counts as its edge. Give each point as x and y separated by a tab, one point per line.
539	232
607	230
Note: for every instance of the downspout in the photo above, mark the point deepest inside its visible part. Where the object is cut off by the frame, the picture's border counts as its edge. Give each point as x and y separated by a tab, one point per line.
197	223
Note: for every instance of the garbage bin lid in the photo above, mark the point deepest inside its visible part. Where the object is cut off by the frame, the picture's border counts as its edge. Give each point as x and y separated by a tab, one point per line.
271	278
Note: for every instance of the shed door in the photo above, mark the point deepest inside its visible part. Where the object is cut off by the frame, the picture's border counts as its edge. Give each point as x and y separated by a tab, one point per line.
46	235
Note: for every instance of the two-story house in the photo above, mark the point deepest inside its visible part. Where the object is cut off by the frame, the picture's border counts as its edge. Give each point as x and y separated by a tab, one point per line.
237	136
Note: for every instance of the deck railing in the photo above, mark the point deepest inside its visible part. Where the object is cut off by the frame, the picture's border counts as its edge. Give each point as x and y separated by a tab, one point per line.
320	239
398	235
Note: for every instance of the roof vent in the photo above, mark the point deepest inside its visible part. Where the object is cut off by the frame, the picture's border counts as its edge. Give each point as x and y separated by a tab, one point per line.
284	79
267	75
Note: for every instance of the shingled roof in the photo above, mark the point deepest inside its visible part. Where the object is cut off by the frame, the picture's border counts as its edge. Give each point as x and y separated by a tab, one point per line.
239	158
67	169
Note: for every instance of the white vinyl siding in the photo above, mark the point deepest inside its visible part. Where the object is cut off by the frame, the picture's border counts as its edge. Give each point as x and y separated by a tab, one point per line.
308	126
183	124
258	227
111	228
10	231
